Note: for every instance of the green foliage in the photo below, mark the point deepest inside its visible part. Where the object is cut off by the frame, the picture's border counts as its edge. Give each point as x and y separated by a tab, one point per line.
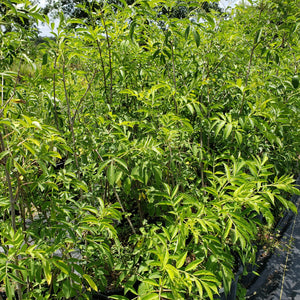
144	150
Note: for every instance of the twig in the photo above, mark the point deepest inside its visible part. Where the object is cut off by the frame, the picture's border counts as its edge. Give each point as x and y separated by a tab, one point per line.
82	98
119	200
54	95
109	57
174	78
2	94
9	185
123	210
13	93
247	75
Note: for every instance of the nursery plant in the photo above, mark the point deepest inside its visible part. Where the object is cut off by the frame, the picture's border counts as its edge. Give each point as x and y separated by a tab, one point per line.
143	150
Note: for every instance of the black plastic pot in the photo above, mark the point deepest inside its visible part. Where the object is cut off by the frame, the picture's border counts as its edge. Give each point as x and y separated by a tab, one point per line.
234	286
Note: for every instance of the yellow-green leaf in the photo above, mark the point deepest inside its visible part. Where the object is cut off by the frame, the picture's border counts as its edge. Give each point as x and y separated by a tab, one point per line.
172	271
47	271
151	296
90	282
193	265
181	260
227	229
19	168
62	266
111	174
151	282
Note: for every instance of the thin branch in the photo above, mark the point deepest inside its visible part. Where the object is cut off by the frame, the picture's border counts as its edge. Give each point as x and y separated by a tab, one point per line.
82	98
174	78
13	93
247	75
54	95
2	93
71	128
103	69
66	96
109	56
123	210
9	185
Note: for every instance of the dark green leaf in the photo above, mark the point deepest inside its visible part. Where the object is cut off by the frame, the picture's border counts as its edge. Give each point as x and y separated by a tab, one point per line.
187	32
196	37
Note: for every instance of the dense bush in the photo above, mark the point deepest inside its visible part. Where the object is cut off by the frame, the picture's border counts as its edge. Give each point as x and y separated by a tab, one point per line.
142	151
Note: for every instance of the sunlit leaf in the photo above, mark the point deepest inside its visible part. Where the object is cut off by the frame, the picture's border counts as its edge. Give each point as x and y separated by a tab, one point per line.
90	282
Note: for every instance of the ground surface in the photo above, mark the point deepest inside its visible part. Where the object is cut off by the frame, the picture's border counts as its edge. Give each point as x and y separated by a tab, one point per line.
280	279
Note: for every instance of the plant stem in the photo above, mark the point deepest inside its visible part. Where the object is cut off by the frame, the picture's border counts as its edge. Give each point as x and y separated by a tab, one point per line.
71	127
54	95
82	98
9	185
174	78
2	93
13	93
247	76
103	69
123	210
109	57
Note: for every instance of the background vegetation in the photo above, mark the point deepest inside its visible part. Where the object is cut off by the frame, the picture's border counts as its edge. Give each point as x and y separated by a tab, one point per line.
145	147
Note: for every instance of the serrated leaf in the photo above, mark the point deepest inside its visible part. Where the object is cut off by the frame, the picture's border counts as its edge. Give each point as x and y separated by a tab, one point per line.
45	59
19	168
187	32
221	124
238	137
103	165
181	260
127	185
90	282
151	282
175	190
239	82
3	154
292	207
111	174
16	279
196	38
118	297
62	266
157	173
151	296
90	219
16	267
131	30
166	258
258	36
295	81
9	288
227	229
47	271
200	288
121	163
204	273
191	108
208	290
91	209
172	271
37	124
29	148
193	265
227	130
